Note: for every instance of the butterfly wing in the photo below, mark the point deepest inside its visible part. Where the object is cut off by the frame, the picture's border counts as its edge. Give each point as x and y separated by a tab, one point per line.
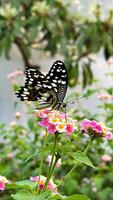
58	78
37	88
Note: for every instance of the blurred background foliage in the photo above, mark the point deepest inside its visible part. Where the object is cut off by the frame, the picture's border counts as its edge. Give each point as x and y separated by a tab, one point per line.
54	27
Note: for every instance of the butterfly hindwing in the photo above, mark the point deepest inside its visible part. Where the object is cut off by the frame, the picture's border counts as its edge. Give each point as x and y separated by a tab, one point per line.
58	78
37	88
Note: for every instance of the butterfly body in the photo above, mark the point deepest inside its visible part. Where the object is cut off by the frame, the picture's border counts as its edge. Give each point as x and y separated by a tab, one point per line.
49	90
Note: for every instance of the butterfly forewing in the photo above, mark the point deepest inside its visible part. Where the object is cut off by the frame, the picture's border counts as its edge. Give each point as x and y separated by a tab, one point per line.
58	78
37	88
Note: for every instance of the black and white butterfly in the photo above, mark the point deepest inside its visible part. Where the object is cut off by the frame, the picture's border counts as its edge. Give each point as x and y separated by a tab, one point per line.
48	90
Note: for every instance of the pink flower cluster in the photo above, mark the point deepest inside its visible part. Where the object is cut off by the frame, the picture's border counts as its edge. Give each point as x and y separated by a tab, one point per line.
51	186
106	158
105	96
12	75
56	121
95	129
3	181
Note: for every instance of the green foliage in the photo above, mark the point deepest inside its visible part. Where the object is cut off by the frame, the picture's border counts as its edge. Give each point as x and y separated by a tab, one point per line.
82	158
77	197
26	184
51	27
26	195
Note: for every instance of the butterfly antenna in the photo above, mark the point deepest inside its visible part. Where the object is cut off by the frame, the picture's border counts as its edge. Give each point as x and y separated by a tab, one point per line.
72	101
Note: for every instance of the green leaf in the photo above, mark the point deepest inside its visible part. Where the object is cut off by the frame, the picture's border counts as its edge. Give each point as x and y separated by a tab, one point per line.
90	92
73	75
26	184
32	33
82	158
23	195
56	197
26	195
77	197
43	196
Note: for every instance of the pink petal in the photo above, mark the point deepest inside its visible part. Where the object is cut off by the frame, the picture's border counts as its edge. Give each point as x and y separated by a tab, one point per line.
34	178
51	128
44	122
2	186
69	129
109	136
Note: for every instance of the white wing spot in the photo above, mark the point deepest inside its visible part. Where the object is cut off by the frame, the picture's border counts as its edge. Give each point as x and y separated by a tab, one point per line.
58	70
60	63
33	70
55	89
59	81
63	82
63	70
37	87
44	85
51	74
49	86
48	77
31	79
53	84
55	65
36	76
55	81
25	89
42	76
25	97
26	92
30	82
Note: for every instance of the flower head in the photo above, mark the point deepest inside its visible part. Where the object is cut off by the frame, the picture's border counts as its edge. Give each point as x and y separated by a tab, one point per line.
95	129
61	127
51	186
12	75
69	129
106	158
3	181
104	96
56	121
18	115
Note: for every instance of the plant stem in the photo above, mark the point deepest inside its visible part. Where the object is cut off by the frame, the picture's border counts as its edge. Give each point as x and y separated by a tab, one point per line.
52	166
77	163
88	146
42	159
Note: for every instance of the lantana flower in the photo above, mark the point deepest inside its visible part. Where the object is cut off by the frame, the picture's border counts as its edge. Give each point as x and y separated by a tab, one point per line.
51	186
106	158
104	96
12	75
3	181
95	129
56	121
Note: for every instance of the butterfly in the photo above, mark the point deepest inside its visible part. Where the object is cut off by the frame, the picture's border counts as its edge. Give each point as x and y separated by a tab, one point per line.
48	90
